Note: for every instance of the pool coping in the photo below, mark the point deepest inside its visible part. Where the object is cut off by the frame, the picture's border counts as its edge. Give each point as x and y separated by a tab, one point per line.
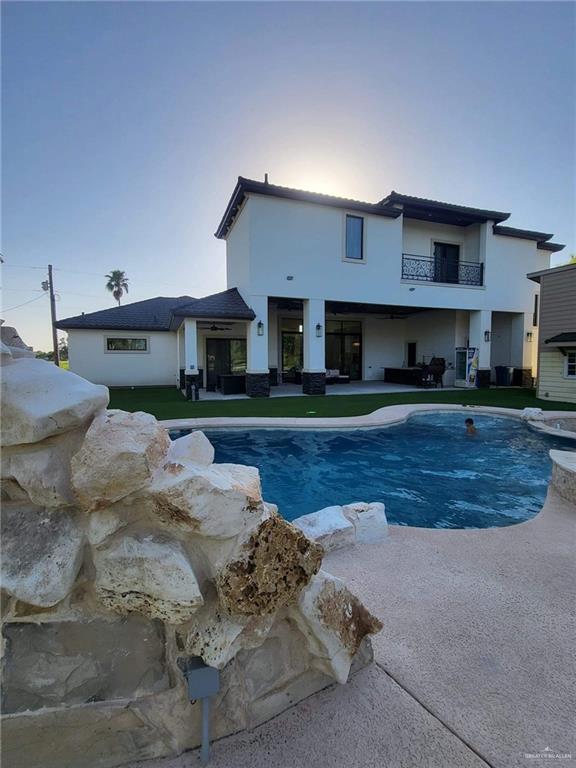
382	417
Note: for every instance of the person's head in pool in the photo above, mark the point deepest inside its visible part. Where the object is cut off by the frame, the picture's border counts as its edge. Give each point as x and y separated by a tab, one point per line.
470	428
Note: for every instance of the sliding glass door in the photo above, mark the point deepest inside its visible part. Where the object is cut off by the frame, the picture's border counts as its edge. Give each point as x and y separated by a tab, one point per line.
344	347
224	356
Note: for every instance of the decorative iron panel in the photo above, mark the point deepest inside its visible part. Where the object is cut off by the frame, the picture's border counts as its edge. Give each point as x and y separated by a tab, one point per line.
425	269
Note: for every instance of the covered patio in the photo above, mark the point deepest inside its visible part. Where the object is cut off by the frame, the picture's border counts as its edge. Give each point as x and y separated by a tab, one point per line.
279	347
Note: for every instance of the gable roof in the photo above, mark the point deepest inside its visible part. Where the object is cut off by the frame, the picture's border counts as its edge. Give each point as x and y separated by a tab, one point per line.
227	305
250	186
162	313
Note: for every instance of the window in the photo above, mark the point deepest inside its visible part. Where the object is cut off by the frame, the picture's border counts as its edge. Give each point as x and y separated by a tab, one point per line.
570	370
535	313
354	238
119	344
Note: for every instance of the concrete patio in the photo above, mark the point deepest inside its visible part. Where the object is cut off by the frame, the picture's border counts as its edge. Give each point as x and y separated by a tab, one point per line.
352	388
474	666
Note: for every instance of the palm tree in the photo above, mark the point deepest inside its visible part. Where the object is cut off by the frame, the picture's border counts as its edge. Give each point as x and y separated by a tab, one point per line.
117	283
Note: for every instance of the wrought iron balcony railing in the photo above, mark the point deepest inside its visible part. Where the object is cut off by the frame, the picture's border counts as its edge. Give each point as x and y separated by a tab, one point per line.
429	269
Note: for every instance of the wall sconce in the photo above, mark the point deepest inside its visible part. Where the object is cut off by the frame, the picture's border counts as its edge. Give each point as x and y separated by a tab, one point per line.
487	336
318	330
260	328
529	336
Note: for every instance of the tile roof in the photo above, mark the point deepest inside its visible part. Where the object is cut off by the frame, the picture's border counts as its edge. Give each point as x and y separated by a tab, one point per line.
148	315
227	304
162	313
433	210
246	186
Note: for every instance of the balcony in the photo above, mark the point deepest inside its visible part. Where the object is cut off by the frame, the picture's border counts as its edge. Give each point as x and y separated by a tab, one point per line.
428	269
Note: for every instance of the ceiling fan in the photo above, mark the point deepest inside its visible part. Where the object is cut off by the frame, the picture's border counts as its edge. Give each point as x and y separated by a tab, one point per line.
215	327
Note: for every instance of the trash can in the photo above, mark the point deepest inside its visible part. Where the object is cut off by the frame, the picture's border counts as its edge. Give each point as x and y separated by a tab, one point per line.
503	375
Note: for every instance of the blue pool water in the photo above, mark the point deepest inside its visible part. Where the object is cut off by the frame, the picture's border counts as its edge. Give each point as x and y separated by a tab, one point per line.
427	471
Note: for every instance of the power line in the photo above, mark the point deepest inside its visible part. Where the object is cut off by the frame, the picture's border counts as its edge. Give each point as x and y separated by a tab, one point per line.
9	309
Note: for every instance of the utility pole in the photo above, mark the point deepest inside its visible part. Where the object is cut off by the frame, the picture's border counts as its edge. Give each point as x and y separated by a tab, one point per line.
53	315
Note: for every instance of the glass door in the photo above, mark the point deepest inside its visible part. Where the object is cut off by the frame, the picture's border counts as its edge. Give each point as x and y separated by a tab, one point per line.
344	347
446	262
224	356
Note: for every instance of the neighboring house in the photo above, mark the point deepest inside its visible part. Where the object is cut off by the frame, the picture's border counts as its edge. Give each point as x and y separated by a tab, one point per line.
557	327
316	282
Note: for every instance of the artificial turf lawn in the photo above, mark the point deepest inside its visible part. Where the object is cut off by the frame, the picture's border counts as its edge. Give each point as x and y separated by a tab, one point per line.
168	403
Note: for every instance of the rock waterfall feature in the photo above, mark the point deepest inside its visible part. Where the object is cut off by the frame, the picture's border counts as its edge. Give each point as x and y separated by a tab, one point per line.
125	553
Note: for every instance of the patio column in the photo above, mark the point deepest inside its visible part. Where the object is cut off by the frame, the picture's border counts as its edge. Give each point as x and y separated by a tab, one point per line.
480	337
191	373
257	370
523	348
314	373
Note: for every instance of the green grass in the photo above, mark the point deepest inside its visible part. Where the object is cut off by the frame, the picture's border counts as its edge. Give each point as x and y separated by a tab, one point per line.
168	403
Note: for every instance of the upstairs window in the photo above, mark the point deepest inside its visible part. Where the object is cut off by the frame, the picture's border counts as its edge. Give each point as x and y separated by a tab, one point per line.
354	238
119	344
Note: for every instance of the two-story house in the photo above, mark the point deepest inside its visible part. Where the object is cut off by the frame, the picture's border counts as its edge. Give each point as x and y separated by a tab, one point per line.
317	283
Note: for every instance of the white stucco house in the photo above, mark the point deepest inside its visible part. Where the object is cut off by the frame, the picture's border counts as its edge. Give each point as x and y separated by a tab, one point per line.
317	284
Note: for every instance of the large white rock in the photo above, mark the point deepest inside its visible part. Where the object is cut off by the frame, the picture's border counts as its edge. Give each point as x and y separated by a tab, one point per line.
532	414
42	469
369	521
120	453
194	448
334	623
147	573
217	637
329	527
40	400
41	552
219	501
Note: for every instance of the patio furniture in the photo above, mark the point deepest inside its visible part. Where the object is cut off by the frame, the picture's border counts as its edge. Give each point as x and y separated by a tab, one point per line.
333	376
437	369
411	376
232	384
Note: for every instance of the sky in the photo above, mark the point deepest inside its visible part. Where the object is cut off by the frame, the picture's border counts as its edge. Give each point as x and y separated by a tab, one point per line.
126	125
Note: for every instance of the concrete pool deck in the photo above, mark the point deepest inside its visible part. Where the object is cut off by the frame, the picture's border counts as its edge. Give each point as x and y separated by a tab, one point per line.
382	417
474	666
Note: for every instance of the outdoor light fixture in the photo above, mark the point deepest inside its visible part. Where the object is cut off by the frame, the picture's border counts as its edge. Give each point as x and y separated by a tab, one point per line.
487	335
300	328
260	328
203	683
318	330
529	336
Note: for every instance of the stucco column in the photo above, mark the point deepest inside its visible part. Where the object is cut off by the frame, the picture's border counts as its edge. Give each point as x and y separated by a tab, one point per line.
314	373
190	346
480	334
190	355
523	348
257	370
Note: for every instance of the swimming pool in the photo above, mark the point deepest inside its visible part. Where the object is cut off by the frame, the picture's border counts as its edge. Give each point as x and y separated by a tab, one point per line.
428	472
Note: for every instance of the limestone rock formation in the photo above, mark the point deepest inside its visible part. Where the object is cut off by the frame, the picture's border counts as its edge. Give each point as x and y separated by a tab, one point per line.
41	552
194	448
40	400
120	453
123	555
329	527
275	564
149	574
334	622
